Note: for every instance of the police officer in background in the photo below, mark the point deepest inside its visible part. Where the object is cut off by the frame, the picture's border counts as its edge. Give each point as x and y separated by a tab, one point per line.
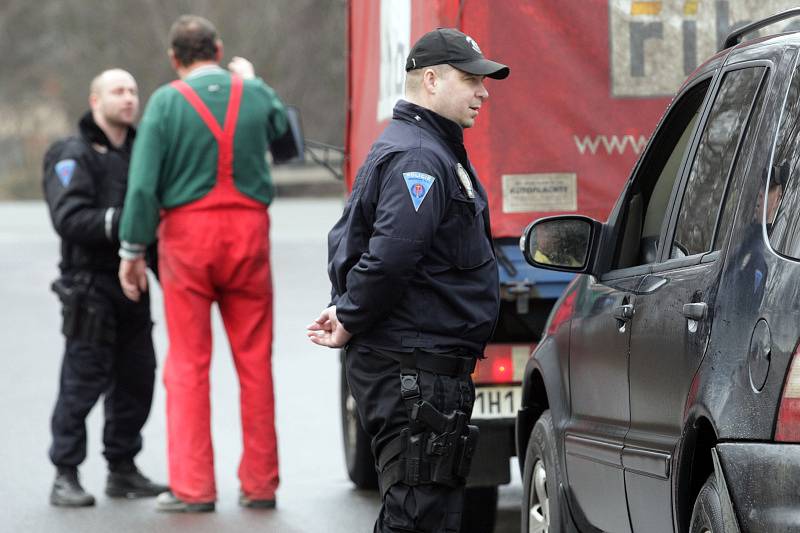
109	349
415	292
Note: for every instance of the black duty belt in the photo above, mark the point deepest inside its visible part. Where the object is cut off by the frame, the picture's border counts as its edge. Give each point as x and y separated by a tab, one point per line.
438	363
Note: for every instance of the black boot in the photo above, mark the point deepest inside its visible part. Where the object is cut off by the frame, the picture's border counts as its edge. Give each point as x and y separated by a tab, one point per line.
67	490
125	481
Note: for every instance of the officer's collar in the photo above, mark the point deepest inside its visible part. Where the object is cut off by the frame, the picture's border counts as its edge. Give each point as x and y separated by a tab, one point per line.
92	133
415	114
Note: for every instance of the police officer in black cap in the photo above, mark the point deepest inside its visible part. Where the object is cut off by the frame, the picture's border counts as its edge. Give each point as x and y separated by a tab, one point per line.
109	349
415	290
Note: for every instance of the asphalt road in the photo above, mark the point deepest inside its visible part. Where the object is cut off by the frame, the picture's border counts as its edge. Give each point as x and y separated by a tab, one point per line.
315	494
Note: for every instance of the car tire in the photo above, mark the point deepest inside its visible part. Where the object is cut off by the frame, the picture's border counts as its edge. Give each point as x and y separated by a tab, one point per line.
357	451
707	511
480	510
540	480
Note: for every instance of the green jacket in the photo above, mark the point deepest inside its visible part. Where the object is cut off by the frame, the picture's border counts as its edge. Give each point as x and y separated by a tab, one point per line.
174	159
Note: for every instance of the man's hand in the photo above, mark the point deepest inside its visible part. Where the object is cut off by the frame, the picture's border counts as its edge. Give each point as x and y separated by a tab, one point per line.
327	330
133	277
242	67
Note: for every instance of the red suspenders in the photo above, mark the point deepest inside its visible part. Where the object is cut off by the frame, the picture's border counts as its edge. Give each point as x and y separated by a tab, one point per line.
224	136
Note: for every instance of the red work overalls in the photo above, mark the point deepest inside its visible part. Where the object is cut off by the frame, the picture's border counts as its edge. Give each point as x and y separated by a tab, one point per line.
216	249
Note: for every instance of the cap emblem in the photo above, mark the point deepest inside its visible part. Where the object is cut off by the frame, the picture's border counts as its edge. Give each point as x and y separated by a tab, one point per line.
473	44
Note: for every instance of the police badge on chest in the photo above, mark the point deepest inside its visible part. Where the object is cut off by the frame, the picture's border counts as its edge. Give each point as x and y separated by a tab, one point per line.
466	182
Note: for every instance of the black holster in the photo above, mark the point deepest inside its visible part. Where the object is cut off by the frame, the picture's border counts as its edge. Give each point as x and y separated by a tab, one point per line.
83	318
449	442
434	448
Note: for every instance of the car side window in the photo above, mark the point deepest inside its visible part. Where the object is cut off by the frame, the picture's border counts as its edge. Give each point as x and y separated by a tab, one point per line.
646	204
783	192
731	200
701	208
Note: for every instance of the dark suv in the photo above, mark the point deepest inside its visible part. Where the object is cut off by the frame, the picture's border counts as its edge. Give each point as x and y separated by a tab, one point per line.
665	395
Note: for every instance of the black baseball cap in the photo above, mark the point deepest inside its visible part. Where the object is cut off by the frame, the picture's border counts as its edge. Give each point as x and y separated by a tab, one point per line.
450	46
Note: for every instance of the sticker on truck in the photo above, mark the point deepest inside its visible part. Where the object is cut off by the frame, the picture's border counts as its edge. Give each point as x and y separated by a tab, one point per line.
540	192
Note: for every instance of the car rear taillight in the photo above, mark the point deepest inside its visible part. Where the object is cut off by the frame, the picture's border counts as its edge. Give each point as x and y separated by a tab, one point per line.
503	363
788	427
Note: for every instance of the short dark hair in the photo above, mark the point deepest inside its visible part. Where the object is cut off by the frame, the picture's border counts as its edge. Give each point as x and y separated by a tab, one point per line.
192	39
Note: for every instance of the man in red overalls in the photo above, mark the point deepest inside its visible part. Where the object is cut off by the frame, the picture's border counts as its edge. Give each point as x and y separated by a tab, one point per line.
199	158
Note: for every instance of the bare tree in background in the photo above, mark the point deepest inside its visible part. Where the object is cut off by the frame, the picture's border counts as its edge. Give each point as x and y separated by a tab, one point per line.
52	49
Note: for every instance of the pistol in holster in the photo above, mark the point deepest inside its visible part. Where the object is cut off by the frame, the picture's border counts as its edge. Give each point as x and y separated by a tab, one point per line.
83	319
434	448
449	444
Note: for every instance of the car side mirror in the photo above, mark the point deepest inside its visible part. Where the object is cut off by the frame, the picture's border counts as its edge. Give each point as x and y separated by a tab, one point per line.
561	243
289	147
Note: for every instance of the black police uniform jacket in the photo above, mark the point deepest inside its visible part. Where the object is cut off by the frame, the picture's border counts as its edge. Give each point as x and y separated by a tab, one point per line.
85	179
411	260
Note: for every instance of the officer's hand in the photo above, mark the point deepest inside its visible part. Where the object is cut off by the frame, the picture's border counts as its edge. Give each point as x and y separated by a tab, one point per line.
133	277
242	67
327	330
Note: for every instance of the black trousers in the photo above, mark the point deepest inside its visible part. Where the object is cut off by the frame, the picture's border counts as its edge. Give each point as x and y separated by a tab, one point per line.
121	367
374	380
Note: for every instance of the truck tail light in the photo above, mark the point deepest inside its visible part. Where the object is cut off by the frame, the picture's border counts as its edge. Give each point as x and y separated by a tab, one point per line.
788	427
503	363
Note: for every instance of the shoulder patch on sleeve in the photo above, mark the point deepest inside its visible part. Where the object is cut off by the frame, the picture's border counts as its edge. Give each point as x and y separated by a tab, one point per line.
64	170
418	184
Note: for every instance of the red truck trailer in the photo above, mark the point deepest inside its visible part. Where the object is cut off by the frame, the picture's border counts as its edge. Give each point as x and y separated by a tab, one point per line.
589	81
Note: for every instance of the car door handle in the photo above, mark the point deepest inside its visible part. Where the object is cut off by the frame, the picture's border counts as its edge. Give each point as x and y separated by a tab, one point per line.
624	312
695	311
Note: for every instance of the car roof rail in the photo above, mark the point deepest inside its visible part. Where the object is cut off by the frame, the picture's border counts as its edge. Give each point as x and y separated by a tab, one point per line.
734	37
